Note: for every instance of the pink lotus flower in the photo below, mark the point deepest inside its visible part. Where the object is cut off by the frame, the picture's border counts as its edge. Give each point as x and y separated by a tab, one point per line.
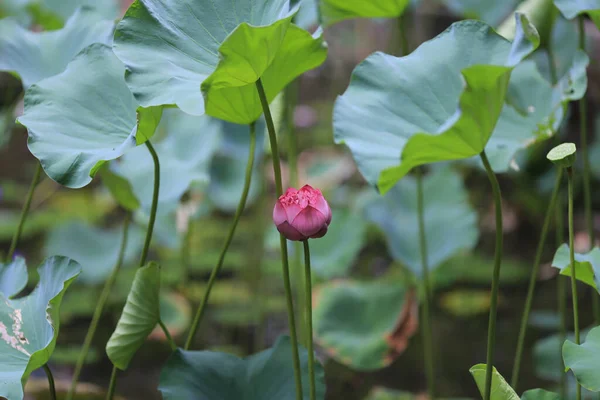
302	214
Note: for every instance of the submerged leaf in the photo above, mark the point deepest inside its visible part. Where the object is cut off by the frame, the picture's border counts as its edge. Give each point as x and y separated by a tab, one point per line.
29	325
209	375
82	117
365	325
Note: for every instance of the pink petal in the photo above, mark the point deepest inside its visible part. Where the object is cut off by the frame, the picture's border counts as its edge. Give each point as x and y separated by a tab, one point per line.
290	232
279	214
321	233
322	205
292	210
309	221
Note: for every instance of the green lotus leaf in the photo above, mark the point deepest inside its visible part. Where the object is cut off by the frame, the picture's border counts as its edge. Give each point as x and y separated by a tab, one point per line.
540	394
34	56
15	9
399	113
119	188
225	48
333	254
587	265
140	315
185	154
333	11
583	360
228	166
450	221
501	390
97	250
491	12
13	277
364	325
29	325
307	16
572	8
208	375
83	117
108	9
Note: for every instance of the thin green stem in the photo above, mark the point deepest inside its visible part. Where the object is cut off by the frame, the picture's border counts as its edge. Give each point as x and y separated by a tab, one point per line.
24	212
236	219
404	46
572	263
532	281
154	205
99	310
282	242
308	305
112	384
562	311
167	335
495	278
427	330
50	382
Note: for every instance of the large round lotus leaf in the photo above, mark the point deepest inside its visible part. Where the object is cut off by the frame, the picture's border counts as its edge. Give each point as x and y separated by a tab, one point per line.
491	12
225	47
365	325
228	166
450	221
333	254
97	250
441	102
333	11
584	360
184	155
140	315
572	8
84	116
29	325
587	265
13	277
34	56
501	390
209	375
536	110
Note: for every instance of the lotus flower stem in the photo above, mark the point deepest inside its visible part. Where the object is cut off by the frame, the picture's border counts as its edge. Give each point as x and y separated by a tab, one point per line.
532	281
24	212
282	241
99	310
50	382
427	335
154	205
167	335
573	269
495	277
309	325
112	385
587	193
236	219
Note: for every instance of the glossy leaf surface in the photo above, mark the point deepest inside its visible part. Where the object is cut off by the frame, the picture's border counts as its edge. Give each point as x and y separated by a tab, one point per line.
364	325
441	117
29	325
82	117
450	221
208	375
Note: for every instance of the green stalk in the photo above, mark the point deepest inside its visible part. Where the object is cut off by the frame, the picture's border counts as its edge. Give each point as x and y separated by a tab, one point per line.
50	382
587	193
308	300
495	278
236	219
402	21
24	212
98	311
573	269
282	241
532	281
154	205
167	335
153	208
291	95
427	335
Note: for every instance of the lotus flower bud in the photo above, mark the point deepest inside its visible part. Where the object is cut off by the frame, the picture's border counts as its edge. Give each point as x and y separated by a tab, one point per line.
302	214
